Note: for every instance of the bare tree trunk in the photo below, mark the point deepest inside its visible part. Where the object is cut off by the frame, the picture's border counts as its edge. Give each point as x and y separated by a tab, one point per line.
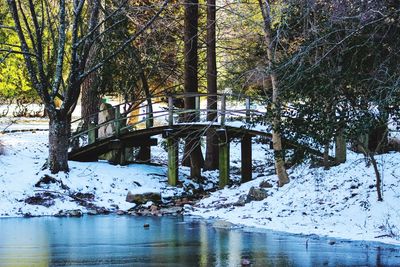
192	146
90	99
340	147
90	96
145	85
211	162
377	176
59	133
327	164
276	109
369	155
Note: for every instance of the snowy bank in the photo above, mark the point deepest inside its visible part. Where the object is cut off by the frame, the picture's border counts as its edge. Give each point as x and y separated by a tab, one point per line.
100	183
341	202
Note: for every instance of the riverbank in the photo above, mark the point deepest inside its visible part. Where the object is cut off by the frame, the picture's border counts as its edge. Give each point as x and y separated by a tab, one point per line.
339	203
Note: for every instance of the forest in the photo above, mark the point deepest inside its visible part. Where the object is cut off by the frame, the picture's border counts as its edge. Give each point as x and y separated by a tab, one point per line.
322	75
328	69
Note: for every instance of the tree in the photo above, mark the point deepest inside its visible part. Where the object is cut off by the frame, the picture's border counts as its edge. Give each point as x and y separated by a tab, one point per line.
90	96
211	162
192	146
56	49
276	101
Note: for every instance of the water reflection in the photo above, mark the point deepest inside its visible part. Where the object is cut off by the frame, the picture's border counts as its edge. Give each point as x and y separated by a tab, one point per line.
123	241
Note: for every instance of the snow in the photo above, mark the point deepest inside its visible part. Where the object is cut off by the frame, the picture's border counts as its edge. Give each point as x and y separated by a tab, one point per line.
21	170
340	202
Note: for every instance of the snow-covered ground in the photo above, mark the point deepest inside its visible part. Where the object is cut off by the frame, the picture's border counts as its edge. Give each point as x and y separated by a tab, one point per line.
21	169
339	203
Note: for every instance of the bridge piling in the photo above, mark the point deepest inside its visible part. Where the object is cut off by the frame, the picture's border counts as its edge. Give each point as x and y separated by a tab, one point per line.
223	157
118	153
172	149
172	145
246	155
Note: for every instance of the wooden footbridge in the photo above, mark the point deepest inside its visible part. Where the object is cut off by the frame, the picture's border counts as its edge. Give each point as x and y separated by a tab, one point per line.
132	126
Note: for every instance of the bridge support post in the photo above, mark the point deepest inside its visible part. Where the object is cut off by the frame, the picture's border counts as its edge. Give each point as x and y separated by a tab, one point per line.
172	147
172	161
246	158
223	157
118	153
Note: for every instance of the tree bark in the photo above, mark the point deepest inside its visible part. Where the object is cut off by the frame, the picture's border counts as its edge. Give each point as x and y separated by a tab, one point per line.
90	95
276	109
377	176
340	147
212	158
59	133
192	145
90	99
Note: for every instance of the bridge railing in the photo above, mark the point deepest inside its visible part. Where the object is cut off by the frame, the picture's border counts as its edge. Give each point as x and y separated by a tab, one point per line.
166	110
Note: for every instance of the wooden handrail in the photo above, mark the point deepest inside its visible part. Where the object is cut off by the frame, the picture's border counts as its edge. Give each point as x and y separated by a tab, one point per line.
168	113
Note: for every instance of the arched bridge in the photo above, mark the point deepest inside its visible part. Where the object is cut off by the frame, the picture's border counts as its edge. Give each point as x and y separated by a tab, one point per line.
113	132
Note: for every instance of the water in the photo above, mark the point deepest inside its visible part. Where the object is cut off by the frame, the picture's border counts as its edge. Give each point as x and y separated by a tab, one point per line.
171	241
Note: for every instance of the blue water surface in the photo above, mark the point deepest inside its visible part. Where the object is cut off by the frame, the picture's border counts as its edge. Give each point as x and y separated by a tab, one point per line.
172	241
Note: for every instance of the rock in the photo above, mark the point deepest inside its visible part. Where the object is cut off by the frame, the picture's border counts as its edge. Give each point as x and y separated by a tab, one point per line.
83	196
256	194
188	208
69	213
28	215
242	201
121	212
154	209
265	184
171	211
42	199
84	199
92	212
102	210
143	198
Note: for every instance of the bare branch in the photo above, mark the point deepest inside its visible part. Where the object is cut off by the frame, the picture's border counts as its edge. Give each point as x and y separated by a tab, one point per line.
126	43
60	51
